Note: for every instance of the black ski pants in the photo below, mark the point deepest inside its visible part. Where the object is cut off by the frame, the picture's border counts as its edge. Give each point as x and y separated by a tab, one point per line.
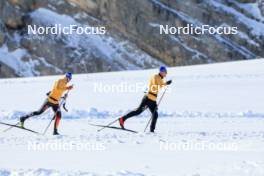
145	103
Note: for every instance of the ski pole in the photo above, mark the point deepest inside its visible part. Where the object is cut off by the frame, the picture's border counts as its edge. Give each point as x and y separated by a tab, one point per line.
156	108
46	129
9	128
107	125
65	97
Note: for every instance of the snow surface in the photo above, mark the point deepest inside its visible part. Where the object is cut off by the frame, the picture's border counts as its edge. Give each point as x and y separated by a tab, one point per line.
217	104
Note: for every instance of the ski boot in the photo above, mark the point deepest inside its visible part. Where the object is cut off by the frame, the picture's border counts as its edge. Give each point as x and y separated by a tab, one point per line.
55	132
121	122
22	121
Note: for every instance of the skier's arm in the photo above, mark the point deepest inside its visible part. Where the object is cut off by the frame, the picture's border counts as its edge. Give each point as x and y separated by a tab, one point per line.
69	87
162	83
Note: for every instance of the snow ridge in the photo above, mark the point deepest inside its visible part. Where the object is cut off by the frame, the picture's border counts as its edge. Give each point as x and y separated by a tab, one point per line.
94	113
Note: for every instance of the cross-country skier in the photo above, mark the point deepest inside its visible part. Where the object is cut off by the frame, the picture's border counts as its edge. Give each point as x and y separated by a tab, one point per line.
149	100
60	86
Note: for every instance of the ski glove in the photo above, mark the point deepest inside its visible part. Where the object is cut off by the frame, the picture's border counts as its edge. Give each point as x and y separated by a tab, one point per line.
70	87
169	82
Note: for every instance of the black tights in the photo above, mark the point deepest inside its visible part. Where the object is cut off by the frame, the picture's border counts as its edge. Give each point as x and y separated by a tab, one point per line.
145	103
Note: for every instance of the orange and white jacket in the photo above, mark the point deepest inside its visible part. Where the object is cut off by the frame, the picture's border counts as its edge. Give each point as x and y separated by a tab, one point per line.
155	84
59	87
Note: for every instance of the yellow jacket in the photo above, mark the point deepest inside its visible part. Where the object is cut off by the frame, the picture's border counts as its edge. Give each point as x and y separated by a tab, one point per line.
58	89
155	84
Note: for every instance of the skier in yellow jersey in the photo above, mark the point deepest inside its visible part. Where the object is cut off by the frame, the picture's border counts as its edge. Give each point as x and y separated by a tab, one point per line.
149	100
60	86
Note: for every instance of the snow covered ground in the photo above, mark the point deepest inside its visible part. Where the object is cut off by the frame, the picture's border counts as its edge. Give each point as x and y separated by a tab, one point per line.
211	124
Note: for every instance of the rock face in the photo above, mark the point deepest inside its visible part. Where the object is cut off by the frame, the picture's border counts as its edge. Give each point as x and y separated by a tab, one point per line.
261	6
139	20
247	1
6	71
11	15
133	39
48	54
2	33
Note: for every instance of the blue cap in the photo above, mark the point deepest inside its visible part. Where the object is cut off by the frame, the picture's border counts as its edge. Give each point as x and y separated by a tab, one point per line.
68	75
163	69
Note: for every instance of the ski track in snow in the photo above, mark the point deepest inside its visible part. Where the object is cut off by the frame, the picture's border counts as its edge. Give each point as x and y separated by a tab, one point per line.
218	104
247	134
49	172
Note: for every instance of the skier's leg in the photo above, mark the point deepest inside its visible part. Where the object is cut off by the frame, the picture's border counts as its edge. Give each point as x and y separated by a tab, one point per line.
154	112
140	109
137	111
43	108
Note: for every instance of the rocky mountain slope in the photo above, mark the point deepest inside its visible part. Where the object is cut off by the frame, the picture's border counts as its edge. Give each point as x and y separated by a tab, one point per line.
132	40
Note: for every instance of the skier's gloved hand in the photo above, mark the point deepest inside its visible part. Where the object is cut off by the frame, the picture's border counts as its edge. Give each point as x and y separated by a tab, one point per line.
64	107
169	82
65	96
70	87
